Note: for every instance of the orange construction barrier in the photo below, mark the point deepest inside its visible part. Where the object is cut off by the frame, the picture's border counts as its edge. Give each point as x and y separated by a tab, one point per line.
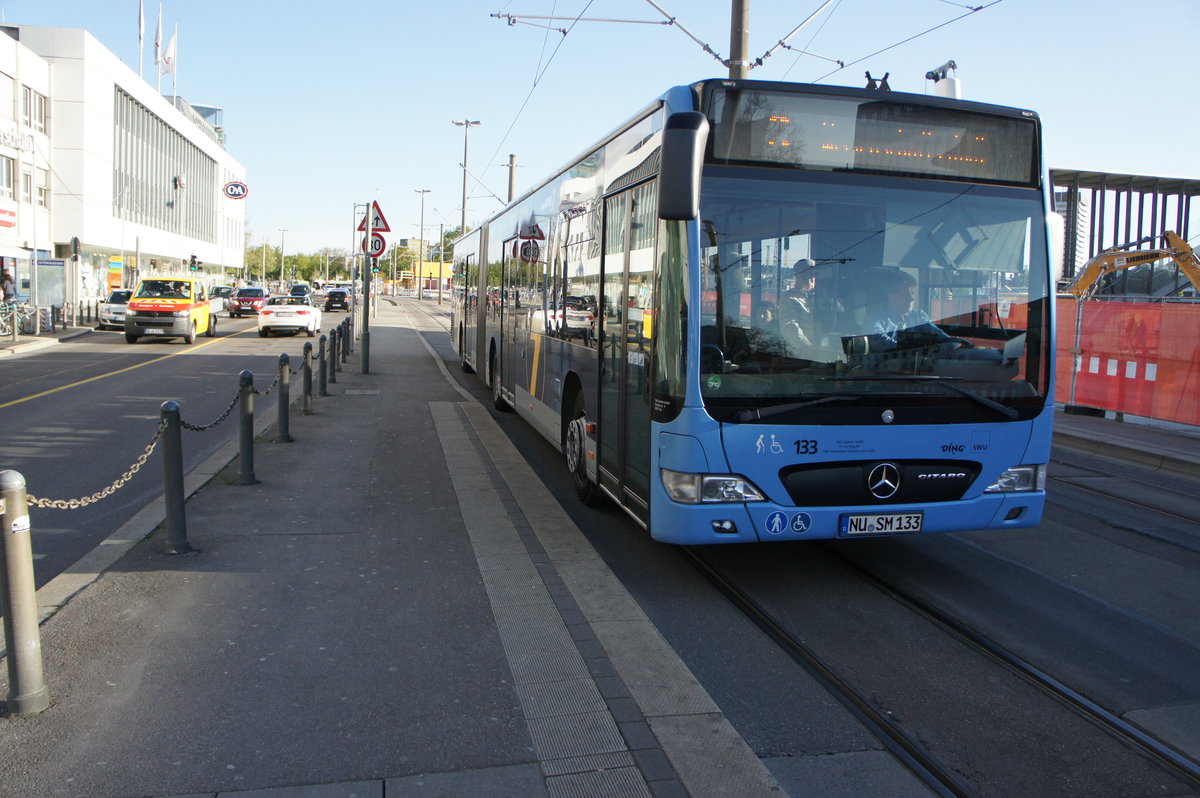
1141	358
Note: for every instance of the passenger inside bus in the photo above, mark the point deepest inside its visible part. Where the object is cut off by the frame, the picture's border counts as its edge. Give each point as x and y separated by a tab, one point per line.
796	318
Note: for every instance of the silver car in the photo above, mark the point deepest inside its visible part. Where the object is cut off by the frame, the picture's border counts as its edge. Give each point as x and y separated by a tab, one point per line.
111	313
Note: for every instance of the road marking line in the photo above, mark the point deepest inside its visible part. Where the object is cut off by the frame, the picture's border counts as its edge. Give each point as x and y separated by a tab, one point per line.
192	348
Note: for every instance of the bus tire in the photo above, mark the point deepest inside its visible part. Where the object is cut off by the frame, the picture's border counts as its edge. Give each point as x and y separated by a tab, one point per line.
497	394
575	451
462	349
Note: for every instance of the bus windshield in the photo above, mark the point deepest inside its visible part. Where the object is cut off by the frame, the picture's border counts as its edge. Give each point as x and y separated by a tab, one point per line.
868	290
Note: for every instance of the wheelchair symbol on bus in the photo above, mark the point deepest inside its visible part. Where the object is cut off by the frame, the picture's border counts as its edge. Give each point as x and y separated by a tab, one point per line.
778	522
760	446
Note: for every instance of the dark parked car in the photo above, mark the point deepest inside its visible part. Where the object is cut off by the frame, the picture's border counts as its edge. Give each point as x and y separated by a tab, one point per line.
247	300
338	298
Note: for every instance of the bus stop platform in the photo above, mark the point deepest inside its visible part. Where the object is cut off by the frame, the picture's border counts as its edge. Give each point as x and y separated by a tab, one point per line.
398	608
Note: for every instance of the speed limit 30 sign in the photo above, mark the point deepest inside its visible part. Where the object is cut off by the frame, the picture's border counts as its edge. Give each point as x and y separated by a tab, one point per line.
376	246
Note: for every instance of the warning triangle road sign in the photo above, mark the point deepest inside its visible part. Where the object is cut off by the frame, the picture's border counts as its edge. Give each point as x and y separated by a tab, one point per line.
378	223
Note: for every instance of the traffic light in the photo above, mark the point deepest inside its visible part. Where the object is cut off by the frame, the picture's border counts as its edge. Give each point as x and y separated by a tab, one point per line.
194	263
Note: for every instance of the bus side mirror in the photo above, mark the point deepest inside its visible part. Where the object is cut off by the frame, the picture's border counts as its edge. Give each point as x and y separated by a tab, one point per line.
683	142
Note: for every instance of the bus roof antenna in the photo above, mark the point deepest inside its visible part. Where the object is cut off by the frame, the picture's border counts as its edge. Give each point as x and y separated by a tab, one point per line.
940	73
943	84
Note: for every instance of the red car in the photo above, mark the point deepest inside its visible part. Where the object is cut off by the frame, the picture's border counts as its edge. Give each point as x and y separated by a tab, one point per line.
247	300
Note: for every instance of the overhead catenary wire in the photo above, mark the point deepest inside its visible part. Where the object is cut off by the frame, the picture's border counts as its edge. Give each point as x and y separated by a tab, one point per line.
783	42
909	39
537	79
688	33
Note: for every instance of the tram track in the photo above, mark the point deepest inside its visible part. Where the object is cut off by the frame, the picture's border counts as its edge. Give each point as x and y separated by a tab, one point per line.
935	775
1098	473
1139	507
939	776
1127	733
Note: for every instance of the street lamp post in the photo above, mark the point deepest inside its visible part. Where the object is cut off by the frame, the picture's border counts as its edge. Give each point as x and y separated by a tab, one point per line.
441	258
466	125
282	259
421	242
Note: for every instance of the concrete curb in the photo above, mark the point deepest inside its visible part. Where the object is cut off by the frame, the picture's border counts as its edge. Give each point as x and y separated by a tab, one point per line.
1179	467
38	342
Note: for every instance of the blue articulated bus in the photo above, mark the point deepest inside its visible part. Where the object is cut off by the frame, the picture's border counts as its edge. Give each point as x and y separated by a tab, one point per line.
764	311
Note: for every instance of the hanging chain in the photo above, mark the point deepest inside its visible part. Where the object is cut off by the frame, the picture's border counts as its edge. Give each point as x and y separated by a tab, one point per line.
73	504
219	419
267	392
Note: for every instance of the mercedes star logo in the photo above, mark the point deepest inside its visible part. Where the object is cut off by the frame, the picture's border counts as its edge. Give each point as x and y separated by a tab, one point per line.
884	481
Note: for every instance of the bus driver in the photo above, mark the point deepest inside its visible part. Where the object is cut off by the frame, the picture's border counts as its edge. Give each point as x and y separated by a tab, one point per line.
900	319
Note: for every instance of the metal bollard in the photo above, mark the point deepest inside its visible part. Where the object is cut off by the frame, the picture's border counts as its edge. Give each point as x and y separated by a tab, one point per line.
282	433
322	388
333	354
306	379
347	334
246	430
27	691
172	455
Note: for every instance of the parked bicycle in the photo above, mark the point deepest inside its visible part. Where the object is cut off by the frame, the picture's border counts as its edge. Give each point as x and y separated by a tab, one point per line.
17	313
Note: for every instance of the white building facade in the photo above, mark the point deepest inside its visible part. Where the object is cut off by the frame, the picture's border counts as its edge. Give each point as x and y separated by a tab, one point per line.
136	180
24	160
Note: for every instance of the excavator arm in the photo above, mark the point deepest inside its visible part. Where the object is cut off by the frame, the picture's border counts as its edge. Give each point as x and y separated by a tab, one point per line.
1115	259
1185	258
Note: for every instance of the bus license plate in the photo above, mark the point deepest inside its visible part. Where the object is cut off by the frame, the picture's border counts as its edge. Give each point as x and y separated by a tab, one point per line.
881	523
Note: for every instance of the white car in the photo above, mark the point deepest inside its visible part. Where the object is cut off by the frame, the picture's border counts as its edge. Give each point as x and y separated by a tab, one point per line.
289	313
111	312
220	296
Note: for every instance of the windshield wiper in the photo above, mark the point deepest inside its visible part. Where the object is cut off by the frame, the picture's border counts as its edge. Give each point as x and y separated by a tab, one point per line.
942	382
759	413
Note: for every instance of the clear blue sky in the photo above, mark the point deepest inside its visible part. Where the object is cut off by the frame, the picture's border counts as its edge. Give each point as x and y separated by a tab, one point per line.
335	103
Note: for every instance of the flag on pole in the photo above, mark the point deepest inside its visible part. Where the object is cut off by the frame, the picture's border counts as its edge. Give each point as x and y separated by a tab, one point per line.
141	34
158	37
168	59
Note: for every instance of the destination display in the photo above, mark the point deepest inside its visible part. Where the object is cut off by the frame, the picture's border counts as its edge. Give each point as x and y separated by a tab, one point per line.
876	136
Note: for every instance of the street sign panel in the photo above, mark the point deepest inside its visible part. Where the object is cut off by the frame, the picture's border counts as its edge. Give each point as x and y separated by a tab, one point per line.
378	245
378	223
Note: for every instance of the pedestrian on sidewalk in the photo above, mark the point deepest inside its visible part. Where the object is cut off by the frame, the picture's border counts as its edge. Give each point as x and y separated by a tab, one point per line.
8	285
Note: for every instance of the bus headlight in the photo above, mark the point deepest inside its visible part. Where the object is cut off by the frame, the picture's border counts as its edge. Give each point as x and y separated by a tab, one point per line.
1020	479
709	488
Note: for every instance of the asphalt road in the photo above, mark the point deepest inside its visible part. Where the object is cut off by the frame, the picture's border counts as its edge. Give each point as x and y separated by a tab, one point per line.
74	417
